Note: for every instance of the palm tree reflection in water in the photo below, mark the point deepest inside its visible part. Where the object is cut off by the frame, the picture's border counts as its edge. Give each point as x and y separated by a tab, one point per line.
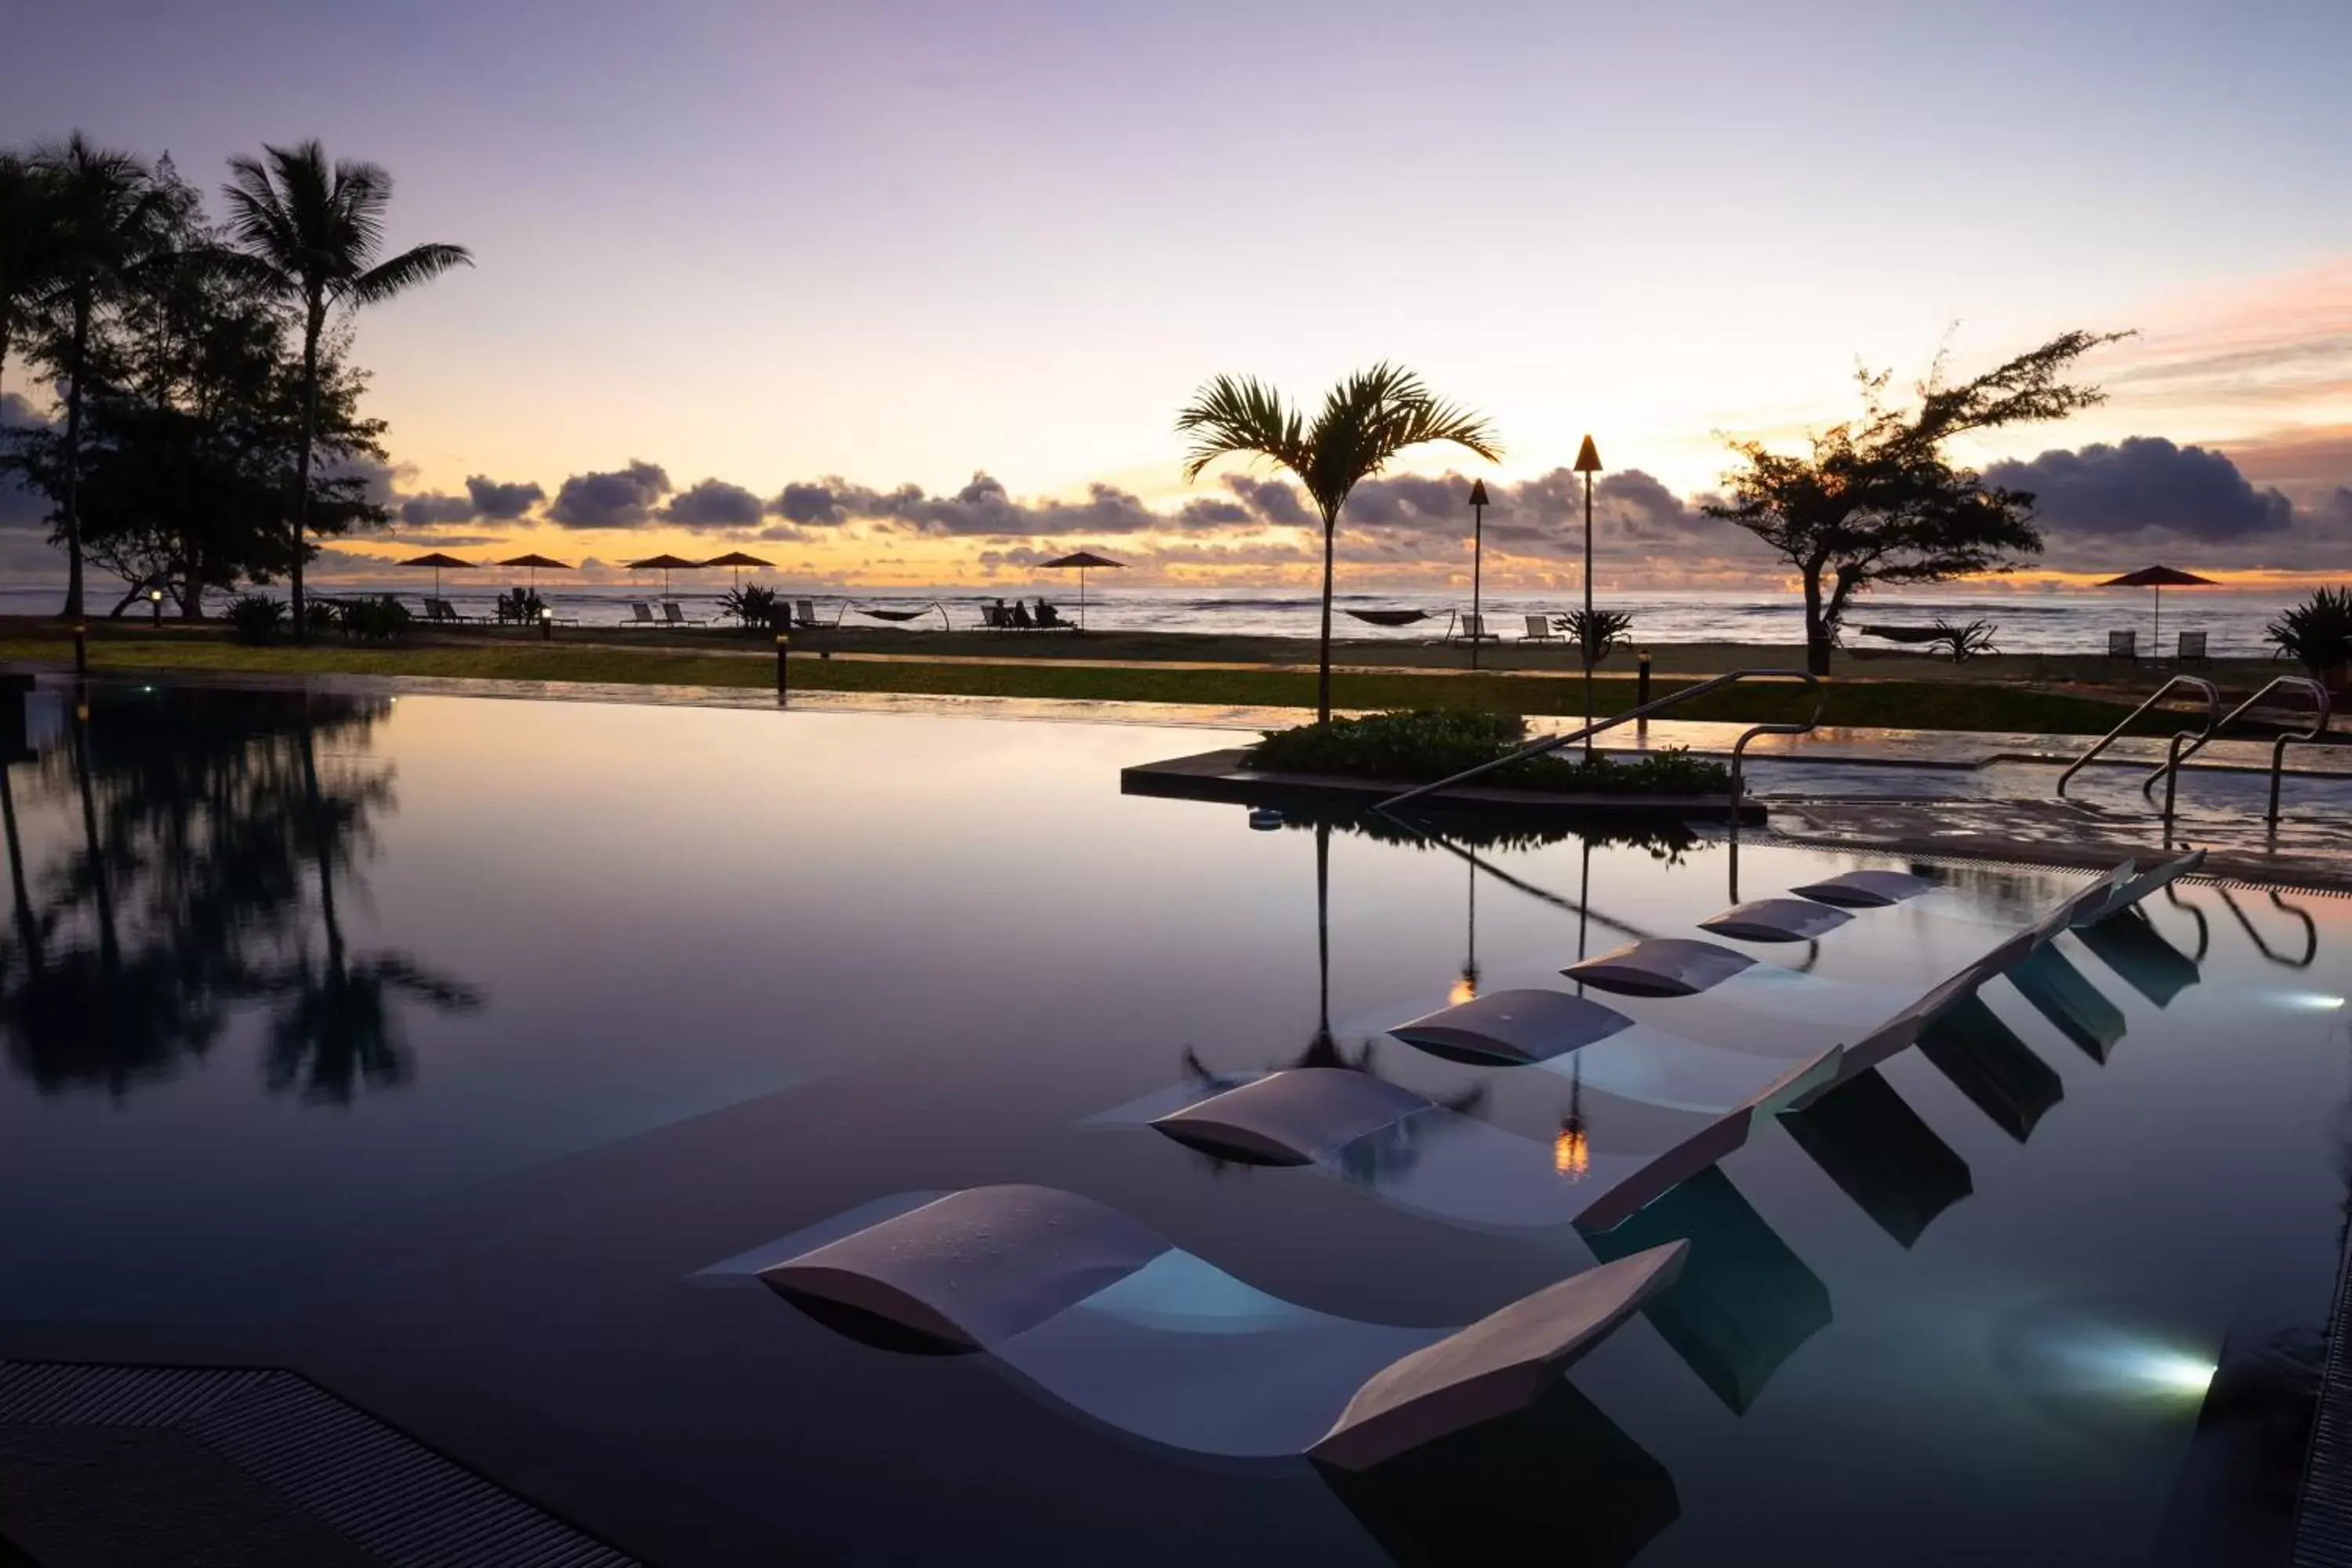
204	817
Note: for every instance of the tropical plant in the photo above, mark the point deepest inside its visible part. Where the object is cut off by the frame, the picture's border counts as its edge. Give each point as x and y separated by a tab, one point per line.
1365	422
1420	745
2317	634
103	213
755	606
375	619
1878	501
311	233
1607	630
256	617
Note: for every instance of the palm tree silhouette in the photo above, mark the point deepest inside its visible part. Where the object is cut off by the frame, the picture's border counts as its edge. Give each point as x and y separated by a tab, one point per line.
339	1028
23	243
1365	422
101	213
309	234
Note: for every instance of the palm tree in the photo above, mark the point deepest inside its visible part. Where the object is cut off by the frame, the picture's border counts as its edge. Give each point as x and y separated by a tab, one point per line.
311	233
101	209
1366	421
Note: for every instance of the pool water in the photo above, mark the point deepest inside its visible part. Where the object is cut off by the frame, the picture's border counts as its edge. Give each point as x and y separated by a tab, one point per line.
466	1054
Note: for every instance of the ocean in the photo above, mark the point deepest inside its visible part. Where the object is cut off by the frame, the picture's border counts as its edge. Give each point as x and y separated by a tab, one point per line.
2030	620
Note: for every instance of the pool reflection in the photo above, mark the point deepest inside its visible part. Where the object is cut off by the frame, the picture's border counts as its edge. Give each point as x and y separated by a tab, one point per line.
209	842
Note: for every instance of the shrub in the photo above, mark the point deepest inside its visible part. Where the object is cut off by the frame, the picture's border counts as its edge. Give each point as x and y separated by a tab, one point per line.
2318	633
256	617
1422	745
755	606
1609	628
323	613
380	619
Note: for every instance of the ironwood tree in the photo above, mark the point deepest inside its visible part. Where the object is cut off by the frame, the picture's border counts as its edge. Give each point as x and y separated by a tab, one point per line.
1877	500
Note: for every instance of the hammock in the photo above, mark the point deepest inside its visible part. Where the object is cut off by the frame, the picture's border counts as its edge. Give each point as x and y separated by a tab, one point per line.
1909	634
1392	618
894	614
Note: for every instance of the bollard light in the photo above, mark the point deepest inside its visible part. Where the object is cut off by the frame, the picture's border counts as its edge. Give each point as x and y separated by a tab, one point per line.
783	678
546	625
155	598
81	648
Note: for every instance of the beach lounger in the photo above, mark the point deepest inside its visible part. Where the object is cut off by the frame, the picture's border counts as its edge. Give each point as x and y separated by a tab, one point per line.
2123	645
1539	630
2192	648
804	616
995	618
641	614
674	615
1470	628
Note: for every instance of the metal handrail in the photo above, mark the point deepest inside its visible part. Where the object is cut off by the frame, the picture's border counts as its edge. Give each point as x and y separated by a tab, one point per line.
1553	742
2320	706
2172	759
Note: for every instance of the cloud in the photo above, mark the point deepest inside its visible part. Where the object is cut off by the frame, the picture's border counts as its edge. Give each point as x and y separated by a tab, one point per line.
425	510
1275	501
621	498
713	503
501	503
2145	484
983	508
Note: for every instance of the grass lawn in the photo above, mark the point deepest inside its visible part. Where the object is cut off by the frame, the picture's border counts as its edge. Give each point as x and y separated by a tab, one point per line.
1930	705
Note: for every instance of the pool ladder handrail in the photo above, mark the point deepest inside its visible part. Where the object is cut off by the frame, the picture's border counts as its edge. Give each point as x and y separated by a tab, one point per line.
2320	707
1714	683
2171	768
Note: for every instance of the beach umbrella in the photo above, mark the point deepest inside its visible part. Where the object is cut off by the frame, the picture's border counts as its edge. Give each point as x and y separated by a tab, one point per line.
1084	561
664	565
2159	578
438	561
737	559
535	563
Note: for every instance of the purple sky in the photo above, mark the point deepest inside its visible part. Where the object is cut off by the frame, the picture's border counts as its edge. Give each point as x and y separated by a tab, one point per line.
763	244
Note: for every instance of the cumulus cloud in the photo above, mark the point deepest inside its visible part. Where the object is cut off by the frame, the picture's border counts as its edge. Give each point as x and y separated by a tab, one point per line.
983	508
624	497
425	510
501	503
2145	484
713	503
1275	501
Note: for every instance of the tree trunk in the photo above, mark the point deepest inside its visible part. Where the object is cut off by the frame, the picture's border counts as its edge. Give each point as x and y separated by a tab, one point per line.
1817	630
312	324
1323	664
81	305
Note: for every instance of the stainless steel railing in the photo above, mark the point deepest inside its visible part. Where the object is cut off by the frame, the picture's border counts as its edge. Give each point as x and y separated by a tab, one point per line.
2170	770
1672	698
2311	689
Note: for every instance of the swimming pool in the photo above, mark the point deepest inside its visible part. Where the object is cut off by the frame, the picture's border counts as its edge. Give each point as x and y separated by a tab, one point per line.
464	1054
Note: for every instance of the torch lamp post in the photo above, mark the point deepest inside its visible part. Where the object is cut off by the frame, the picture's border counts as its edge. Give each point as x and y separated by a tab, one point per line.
155	602
1477	565
1588	463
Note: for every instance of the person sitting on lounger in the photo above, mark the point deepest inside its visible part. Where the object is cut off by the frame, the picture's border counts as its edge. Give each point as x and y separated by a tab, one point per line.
1049	616
1021	621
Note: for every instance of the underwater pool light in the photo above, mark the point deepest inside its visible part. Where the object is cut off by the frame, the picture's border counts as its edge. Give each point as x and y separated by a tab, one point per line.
2176	1373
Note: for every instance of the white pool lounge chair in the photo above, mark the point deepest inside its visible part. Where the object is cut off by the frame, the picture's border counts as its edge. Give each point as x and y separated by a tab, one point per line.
2123	645
2192	649
674	615
641	614
1539	629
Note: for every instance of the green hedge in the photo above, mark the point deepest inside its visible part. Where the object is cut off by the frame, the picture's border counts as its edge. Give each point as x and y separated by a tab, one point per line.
1422	745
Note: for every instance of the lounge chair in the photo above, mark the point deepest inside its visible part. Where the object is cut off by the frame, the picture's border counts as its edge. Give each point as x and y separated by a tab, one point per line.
641	614
2192	649
996	617
1539	630
1049	619
2123	645
804	616
1470	628
1019	618
440	612
674	615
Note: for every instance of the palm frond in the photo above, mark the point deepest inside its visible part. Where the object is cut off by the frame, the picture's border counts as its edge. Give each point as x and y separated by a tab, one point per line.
419	264
1234	416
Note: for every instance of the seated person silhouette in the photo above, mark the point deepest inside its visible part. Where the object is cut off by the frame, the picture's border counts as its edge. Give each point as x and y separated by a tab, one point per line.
1021	620
1049	616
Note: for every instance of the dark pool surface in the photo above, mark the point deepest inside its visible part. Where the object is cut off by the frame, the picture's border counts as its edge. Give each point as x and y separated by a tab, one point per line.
449	1051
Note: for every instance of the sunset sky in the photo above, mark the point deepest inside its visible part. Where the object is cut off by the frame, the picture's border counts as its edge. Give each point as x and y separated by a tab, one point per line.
747	271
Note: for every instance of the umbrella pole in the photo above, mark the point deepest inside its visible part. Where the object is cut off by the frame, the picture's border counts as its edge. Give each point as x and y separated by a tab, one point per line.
2156	632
